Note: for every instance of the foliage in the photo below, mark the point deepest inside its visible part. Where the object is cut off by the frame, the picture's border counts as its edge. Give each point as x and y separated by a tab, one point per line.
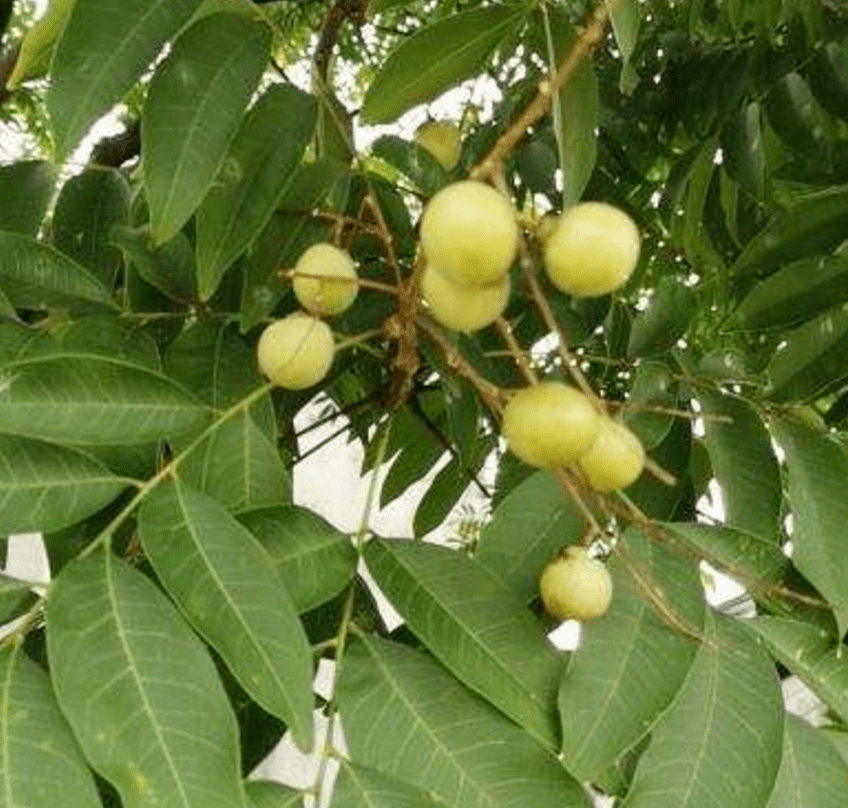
191	600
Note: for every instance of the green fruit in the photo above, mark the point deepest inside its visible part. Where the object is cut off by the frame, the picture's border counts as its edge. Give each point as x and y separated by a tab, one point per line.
463	308
615	459
592	250
469	232
549	425
441	139
575	586
335	290
296	352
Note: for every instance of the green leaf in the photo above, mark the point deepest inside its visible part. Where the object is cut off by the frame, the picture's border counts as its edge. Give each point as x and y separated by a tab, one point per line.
540	513
817	467
111	337
743	463
228	587
652	387
36	276
436	58
798	120
102	52
744	151
271	794
828	76
610	696
419	454
360	787
39	42
812	654
626	19
721	740
453	744
140	690
315	561
475	626
806	750
666	319
257	172
812	360
444	492
40	761
74	398
90	204
13	593
26	188
193	109
48	487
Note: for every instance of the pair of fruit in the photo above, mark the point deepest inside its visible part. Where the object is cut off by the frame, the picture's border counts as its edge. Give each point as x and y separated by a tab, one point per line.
296	352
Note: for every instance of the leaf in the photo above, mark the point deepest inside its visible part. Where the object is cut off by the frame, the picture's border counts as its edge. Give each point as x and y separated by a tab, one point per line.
38	43
228	588
743	463
475	626
811	362
35	276
626	20
257	172
193	109
798	120
405	716
111	337
652	388
13	593
444	492
47	487
271	794
419	454
74	398
90	204
664	321
805	750
315	561
540	514
26	188
436	58
362	787
720	742
743	150
614	688
40	761
812	654
102	52
817	467
140	690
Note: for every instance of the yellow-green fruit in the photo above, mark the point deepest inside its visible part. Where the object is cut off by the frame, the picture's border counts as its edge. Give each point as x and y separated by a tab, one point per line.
441	139
575	586
296	352
469	232
549	425
463	308
335	290
615	459
593	249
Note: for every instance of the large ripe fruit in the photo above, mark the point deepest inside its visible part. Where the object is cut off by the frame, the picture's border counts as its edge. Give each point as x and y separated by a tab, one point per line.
463	308
549	425
469	232
575	586
593	249
337	287
615	459
296	352
441	139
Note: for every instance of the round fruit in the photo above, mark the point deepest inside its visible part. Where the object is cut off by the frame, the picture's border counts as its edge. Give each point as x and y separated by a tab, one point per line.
615	459
549	425
335	290
575	586
463	308
441	139
469	232
296	352
593	249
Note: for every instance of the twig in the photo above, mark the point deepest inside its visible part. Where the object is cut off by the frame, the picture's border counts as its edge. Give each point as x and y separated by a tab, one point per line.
515	350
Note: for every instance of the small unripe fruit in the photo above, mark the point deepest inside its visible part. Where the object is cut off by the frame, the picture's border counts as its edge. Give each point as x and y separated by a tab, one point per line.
335	290
615	459
463	308
469	232
441	139
296	352
575	586
549	425
593	249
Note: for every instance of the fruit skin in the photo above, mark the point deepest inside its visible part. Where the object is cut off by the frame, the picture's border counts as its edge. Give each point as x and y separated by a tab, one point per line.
593	249
296	352
469	232
549	425
615	459
575	586
441	139
463	308
325	297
